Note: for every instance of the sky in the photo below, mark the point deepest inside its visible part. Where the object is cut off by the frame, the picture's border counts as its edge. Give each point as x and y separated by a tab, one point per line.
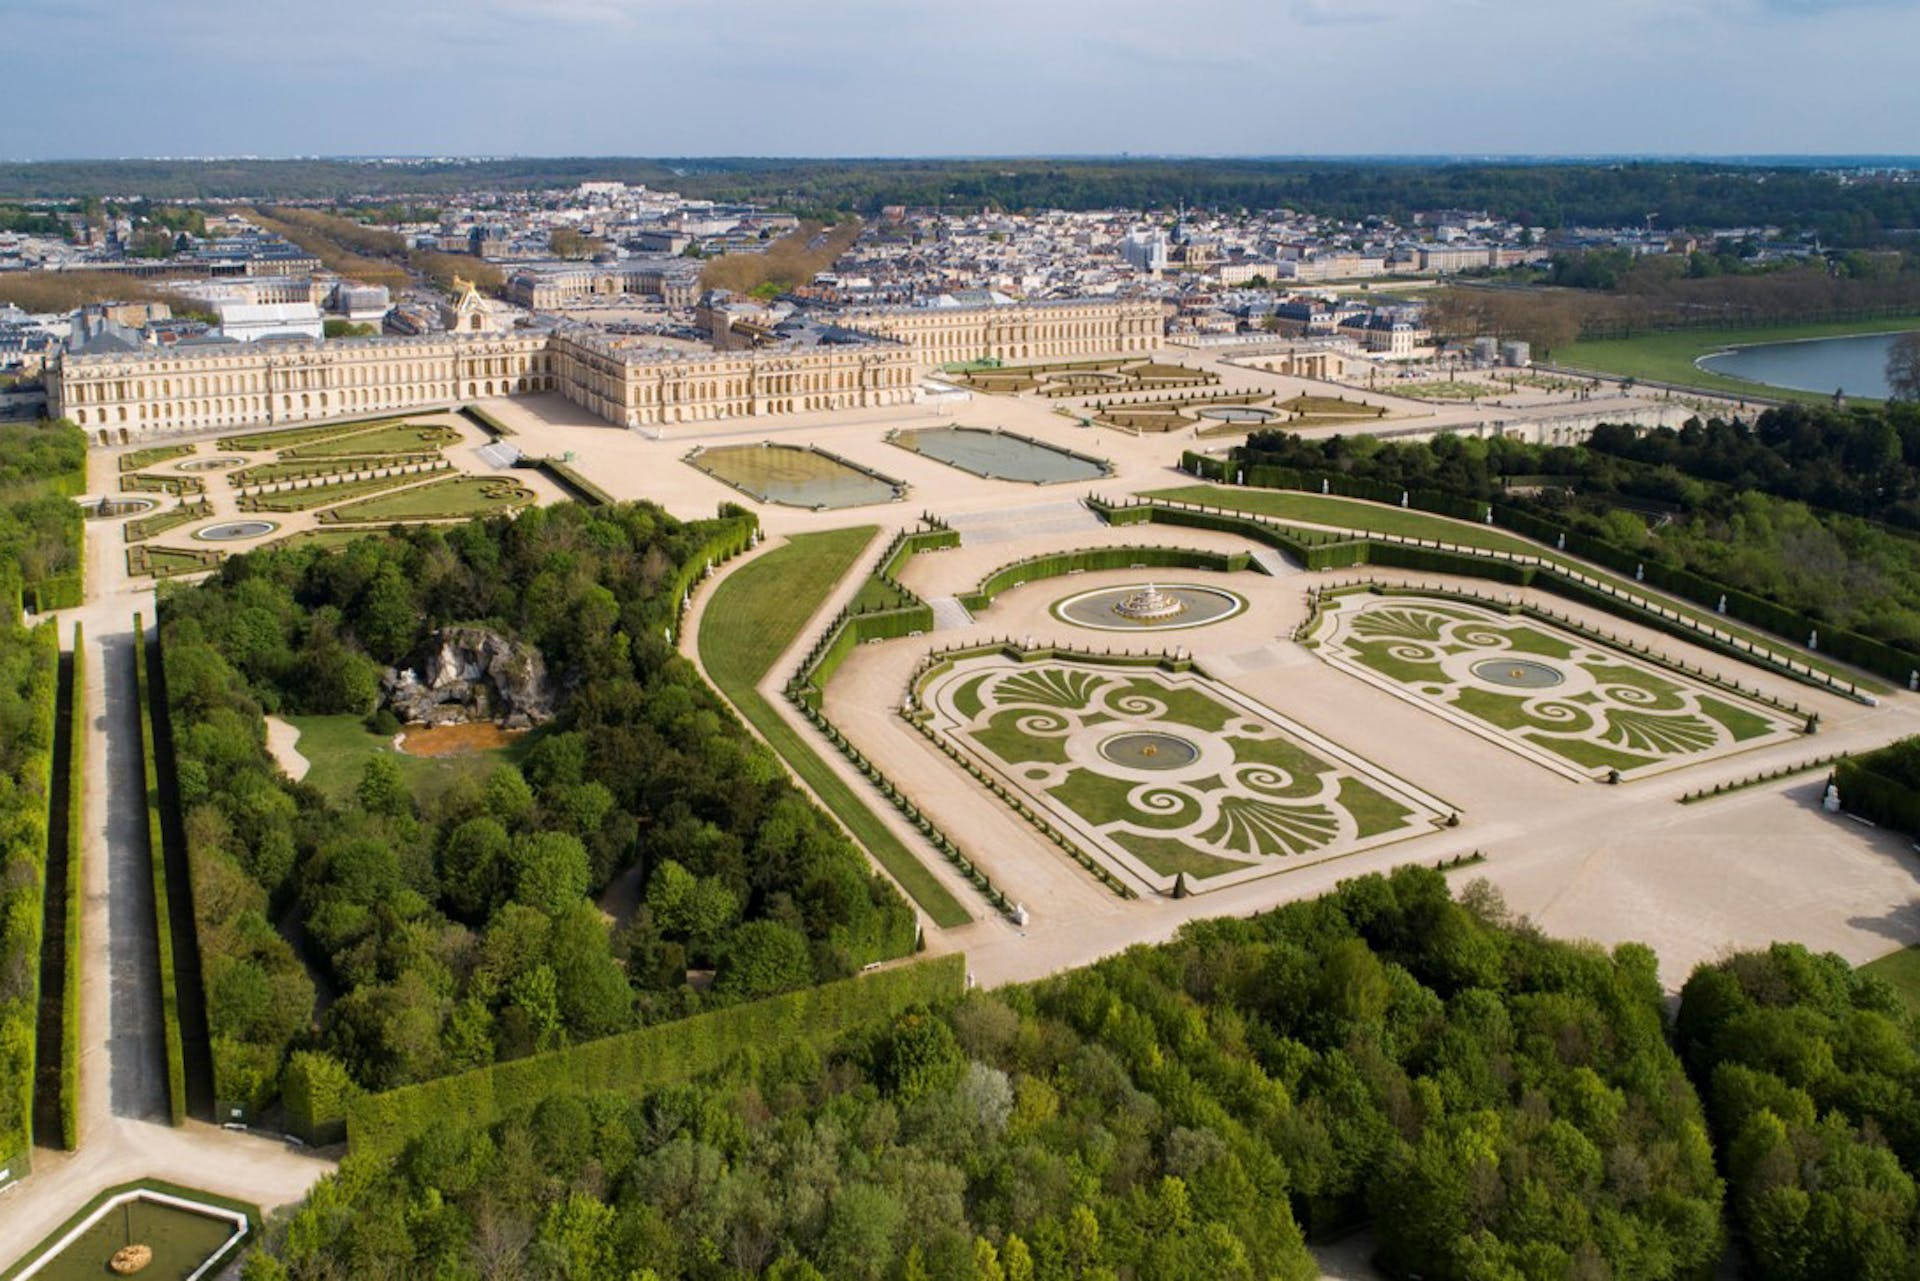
102	78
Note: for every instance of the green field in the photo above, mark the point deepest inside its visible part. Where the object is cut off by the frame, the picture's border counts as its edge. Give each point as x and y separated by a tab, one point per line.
164	562
328	538
402	438
1669	357
289	437
1357	514
324	494
339	748
311	468
437	500
144	527
753	616
140	458
1902	969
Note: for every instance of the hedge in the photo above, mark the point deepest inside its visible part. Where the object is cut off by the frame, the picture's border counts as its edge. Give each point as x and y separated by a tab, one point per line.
1870	788
381	1125
1849	647
738	530
76	896
23	865
485	421
577	486
1339	551
163	916
316	1091
1058	564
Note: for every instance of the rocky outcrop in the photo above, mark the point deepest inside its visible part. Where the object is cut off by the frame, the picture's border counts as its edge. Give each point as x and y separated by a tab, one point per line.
468	674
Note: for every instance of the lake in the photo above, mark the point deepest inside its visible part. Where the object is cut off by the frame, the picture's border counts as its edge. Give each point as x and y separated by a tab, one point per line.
1856	364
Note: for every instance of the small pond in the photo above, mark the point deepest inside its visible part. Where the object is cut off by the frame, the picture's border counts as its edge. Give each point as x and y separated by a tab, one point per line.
233	531
1001	455
796	476
1149	749
210	464
181	1240
1237	413
1518	673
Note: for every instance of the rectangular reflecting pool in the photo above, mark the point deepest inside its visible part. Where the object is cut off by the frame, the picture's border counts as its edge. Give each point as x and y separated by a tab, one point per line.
180	1237
798	476
1001	455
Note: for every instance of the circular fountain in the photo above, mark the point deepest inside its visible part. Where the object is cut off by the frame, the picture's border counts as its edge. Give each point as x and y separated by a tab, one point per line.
233	531
1518	673
1149	749
1148	607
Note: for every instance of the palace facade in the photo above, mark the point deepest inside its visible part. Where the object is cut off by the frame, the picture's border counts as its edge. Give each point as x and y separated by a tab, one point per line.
862	359
1017	333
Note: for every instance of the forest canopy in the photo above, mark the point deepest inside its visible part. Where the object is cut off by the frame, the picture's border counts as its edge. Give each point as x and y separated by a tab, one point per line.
1498	1104
423	923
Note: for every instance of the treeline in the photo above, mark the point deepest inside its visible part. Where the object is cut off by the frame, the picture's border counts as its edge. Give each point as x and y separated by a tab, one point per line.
1664	299
43	467
789	261
1811	1075
1728	502
310	179
453	925
1497	1104
29	672
1857	211
369	253
60	291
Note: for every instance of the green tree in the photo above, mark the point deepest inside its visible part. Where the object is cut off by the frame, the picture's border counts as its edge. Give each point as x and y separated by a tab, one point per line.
763	958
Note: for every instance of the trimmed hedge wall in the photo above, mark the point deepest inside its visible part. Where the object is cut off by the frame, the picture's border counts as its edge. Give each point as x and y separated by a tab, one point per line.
1343	552
1865	652
485	421
1059	564
163	915
1879	788
23	868
76	898
740	532
381	1125
576	485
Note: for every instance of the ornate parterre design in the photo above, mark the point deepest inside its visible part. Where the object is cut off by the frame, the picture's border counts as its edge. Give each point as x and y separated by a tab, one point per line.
1163	773
1575	706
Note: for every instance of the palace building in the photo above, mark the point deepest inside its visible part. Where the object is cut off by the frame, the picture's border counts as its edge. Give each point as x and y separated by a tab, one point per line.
1018	332
851	360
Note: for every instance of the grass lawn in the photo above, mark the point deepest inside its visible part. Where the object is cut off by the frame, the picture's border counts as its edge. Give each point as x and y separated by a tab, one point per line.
290	437
1669	357
1442	389
438	500
303	469
402	438
339	748
1360	515
1902	969
323	494
147	526
163	562
1170	858
329	538
146	483
148	457
753	616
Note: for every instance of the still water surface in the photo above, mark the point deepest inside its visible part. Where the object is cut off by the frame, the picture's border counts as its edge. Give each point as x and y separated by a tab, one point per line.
1857	364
